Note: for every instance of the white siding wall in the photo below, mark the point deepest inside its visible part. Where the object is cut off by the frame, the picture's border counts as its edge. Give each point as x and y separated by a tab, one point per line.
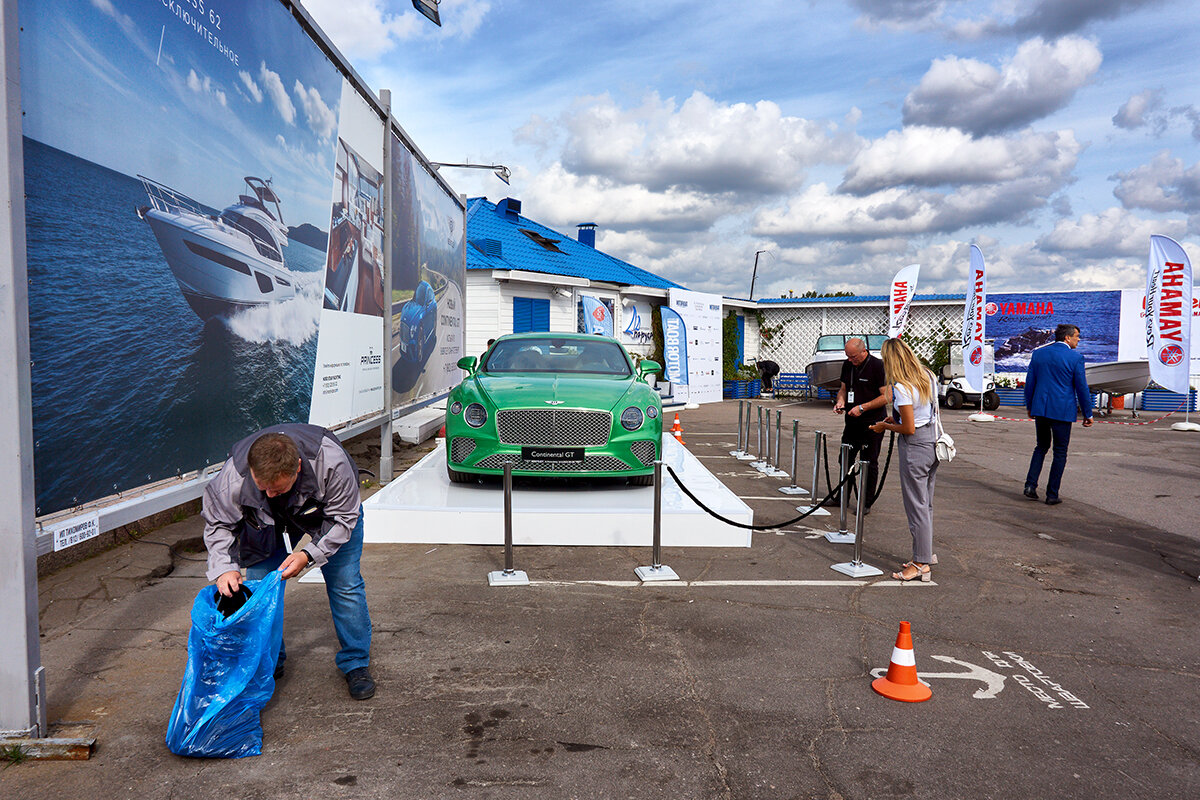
750	342
483	311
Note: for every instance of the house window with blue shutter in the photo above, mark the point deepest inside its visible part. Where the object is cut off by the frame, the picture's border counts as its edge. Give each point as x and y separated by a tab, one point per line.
531	314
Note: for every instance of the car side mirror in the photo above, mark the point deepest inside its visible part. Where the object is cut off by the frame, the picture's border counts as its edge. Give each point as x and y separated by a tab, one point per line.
648	367
467	364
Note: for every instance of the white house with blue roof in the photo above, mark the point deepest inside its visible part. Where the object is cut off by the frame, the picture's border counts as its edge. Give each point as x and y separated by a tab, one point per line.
523	276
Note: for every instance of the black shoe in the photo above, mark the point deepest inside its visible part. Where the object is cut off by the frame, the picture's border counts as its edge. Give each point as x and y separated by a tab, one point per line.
1031	493
279	670
1052	501
360	683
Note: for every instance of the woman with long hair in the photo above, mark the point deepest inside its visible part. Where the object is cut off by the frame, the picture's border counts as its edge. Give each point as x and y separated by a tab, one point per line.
914	396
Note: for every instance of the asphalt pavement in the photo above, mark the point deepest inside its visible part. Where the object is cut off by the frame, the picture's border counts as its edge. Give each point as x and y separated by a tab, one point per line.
1061	645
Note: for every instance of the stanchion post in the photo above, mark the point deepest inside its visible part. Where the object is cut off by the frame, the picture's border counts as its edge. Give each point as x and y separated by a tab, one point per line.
773	469
843	536
745	454
762	454
813	510
508	576
856	568
657	571
740	449
794	489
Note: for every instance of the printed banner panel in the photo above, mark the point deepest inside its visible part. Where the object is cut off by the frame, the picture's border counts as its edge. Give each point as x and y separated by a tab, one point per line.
701	315
178	167
1018	323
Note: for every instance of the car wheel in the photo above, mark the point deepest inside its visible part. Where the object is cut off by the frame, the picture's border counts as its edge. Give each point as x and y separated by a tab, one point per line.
991	401
641	480
458	477
954	400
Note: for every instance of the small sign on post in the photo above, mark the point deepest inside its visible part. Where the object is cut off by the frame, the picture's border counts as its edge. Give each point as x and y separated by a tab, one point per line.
73	531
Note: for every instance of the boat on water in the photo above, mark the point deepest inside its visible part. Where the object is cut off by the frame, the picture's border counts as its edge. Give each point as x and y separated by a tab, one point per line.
825	366
222	263
1118	377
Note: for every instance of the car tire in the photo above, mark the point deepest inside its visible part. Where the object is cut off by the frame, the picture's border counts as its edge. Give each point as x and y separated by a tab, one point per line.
458	477
641	480
991	401
954	400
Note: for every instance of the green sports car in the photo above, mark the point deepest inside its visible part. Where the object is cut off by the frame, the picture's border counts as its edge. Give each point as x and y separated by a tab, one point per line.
555	404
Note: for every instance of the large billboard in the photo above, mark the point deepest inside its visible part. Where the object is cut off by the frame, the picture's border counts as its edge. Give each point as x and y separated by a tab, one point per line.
1018	323
205	236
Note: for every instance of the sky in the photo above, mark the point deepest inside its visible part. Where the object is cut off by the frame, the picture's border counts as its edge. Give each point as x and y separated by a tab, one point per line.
843	139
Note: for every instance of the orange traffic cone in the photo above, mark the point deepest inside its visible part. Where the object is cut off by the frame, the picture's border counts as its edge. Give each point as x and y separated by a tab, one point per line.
677	431
901	682
441	434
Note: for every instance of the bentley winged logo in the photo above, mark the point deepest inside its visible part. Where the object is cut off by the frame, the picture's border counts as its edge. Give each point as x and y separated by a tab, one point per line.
555	402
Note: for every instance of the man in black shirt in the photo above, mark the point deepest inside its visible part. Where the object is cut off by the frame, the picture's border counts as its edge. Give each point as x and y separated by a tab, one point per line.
863	396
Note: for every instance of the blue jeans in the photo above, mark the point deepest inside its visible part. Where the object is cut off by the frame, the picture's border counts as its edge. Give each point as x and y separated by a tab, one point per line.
1049	431
347	598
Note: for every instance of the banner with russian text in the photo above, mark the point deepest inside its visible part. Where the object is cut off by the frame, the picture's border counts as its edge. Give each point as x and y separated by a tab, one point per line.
973	320
904	286
1168	313
675	359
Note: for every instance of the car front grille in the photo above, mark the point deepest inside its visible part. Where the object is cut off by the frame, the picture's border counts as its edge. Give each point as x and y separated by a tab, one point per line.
643	452
596	463
460	448
553	427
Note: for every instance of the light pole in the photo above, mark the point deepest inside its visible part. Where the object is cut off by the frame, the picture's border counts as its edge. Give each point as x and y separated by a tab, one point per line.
501	171
754	275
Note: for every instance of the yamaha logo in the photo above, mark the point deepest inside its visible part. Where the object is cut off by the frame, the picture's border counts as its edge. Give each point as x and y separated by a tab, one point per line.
1171	355
991	309
977	356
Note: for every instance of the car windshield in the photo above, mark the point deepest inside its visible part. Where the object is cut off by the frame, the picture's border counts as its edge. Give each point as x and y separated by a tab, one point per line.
598	357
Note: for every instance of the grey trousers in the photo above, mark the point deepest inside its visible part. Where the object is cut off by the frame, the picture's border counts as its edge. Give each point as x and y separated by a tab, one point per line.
918	470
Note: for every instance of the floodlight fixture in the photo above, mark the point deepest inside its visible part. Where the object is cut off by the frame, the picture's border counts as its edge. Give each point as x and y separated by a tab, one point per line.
430	9
500	170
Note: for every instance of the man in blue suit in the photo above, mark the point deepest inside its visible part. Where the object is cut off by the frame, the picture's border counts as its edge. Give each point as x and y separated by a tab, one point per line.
1055	383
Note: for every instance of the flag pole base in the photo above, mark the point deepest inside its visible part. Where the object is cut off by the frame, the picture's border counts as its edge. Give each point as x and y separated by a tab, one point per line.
1186	426
979	416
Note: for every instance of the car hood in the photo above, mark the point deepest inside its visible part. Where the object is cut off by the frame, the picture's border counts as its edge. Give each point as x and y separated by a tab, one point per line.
570	391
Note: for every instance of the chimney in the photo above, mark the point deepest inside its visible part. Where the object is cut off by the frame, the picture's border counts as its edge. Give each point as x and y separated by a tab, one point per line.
587	233
509	208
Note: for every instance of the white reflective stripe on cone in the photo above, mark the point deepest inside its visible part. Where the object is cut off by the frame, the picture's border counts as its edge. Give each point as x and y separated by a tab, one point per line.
903	658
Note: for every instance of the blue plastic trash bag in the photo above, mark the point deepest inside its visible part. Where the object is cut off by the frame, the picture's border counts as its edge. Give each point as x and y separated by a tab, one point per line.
230	674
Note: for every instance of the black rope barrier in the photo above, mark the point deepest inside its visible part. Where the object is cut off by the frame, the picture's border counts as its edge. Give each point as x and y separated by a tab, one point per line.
715	515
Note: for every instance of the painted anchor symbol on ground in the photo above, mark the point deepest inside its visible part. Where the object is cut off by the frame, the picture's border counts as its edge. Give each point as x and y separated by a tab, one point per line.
993	681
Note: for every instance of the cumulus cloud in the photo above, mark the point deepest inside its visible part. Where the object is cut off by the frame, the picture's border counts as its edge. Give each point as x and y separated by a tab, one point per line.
1041	78
318	115
274	88
921	156
899	14
251	87
701	144
1113	232
1046	18
205	86
1165	185
1134	113
366	29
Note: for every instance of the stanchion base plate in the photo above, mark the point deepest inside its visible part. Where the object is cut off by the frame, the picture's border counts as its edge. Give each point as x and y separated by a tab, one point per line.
501	578
761	466
820	512
659	573
745	457
312	576
856	569
776	473
793	490
737	453
839	538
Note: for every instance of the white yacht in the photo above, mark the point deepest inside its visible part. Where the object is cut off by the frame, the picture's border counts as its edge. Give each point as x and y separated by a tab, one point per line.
825	366
222	263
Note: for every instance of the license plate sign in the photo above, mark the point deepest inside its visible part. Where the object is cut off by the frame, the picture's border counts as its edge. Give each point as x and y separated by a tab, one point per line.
552	454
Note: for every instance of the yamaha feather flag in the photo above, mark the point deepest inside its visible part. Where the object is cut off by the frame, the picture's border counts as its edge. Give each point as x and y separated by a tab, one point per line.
973	321
904	286
1168	314
596	317
674	346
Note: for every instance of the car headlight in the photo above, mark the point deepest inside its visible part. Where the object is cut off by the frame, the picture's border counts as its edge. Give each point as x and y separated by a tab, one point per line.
631	418
455	407
652	412
475	415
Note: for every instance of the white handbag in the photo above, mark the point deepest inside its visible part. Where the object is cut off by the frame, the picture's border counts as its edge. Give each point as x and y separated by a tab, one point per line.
945	445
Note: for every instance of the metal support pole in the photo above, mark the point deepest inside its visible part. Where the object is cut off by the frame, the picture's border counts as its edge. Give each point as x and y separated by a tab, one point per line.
508	576
762	461
843	536
818	441
773	469
386	445
745	454
741	449
856	568
794	489
656	571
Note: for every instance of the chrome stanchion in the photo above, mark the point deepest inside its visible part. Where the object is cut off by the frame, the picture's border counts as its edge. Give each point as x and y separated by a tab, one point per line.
741	450
657	571
794	489
508	576
843	536
762	454
856	568
746	455
819	440
773	469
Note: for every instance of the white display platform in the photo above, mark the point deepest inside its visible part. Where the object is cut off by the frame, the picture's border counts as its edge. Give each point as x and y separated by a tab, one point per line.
423	507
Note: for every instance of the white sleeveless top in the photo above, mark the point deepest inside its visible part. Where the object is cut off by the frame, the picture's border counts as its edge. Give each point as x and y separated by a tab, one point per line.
922	413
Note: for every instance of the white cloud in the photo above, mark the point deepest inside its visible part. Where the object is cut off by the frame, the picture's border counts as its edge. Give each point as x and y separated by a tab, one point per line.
251	86
921	156
700	144
205	86
1133	114
366	29
1164	184
977	97
318	115
274	88
1113	232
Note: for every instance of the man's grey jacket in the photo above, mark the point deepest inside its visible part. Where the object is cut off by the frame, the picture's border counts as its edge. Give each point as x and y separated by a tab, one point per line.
239	529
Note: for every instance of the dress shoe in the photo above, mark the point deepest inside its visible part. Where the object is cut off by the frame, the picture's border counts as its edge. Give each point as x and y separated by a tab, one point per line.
1052	501
1031	493
279	670
360	683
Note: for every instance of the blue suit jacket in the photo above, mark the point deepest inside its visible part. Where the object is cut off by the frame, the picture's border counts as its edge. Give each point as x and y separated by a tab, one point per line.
1055	382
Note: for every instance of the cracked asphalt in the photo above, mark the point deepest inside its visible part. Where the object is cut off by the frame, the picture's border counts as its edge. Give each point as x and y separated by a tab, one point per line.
1060	644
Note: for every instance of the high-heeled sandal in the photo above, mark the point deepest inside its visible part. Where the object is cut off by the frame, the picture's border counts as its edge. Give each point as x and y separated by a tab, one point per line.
922	571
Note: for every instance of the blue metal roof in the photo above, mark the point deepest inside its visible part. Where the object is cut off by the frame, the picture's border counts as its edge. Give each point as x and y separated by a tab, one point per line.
495	241
868	298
